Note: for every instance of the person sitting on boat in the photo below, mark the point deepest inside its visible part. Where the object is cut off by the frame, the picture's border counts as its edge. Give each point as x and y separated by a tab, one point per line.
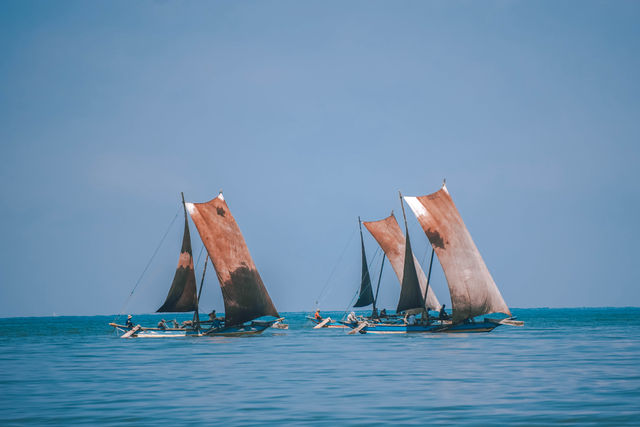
212	316
186	323
129	323
317	316
162	324
443	314
351	318
383	313
175	324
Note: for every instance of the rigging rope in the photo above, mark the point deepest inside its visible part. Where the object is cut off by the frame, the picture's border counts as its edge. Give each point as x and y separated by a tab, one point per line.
321	296
148	264
199	255
354	299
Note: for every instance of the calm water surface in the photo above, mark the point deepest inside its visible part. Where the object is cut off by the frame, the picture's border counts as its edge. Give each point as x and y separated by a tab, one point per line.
570	366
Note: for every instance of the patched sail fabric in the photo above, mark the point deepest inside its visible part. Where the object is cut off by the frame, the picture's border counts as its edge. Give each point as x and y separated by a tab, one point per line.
389	236
182	294
411	296
473	291
244	294
366	293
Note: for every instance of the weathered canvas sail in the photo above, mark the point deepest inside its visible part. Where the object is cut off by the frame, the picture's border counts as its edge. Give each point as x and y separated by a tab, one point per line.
366	293
244	294
389	236
411	296
182	294
473	291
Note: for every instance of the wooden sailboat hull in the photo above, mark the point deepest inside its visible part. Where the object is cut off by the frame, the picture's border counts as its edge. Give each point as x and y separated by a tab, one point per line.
446	327
251	328
140	332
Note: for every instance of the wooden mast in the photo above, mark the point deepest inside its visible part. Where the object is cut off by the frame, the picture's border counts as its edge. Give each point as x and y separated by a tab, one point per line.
196	314
426	308
375	299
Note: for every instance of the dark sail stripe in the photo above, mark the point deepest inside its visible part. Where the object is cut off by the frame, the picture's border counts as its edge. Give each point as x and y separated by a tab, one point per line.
366	293
410	294
182	294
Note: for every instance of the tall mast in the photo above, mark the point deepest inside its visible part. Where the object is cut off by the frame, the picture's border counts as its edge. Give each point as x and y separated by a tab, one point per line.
184	208
196	314
428	279
203	272
362	241
403	215
384	255
196	318
365	294
375	299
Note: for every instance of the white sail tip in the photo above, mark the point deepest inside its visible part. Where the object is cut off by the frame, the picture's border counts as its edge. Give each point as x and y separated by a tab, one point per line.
190	207
415	205
220	196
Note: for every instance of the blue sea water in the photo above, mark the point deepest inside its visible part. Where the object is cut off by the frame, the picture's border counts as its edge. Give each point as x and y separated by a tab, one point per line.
569	366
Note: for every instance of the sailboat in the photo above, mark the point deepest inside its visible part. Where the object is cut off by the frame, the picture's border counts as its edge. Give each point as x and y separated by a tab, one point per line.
245	296
473	291
365	293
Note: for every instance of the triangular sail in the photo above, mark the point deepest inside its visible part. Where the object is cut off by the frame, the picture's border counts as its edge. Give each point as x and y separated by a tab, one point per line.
411	297
473	291
182	294
244	294
389	236
366	293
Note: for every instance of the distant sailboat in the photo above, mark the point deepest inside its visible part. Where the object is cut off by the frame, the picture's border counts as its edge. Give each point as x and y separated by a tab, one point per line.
473	292
389	236
244	294
365	292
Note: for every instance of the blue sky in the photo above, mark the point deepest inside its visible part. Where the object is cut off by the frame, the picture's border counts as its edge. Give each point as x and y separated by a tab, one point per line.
308	114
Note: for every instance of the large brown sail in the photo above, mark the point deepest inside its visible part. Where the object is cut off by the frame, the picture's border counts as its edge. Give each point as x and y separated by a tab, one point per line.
473	291
389	236
182	294
244	294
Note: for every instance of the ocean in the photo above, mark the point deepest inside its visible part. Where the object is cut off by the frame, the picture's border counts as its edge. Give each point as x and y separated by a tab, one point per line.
565	366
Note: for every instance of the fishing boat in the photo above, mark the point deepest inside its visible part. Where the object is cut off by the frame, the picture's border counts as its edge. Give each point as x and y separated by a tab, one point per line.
245	296
365	293
473	291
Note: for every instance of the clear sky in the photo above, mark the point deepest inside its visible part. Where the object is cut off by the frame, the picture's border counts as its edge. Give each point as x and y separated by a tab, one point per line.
309	114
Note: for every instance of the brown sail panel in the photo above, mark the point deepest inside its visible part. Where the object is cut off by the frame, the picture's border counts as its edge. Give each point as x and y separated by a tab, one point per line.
244	294
389	236
182	294
473	291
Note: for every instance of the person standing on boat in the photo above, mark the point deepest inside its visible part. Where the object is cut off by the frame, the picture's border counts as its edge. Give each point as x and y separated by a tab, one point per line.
443	314
317	316
129	323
